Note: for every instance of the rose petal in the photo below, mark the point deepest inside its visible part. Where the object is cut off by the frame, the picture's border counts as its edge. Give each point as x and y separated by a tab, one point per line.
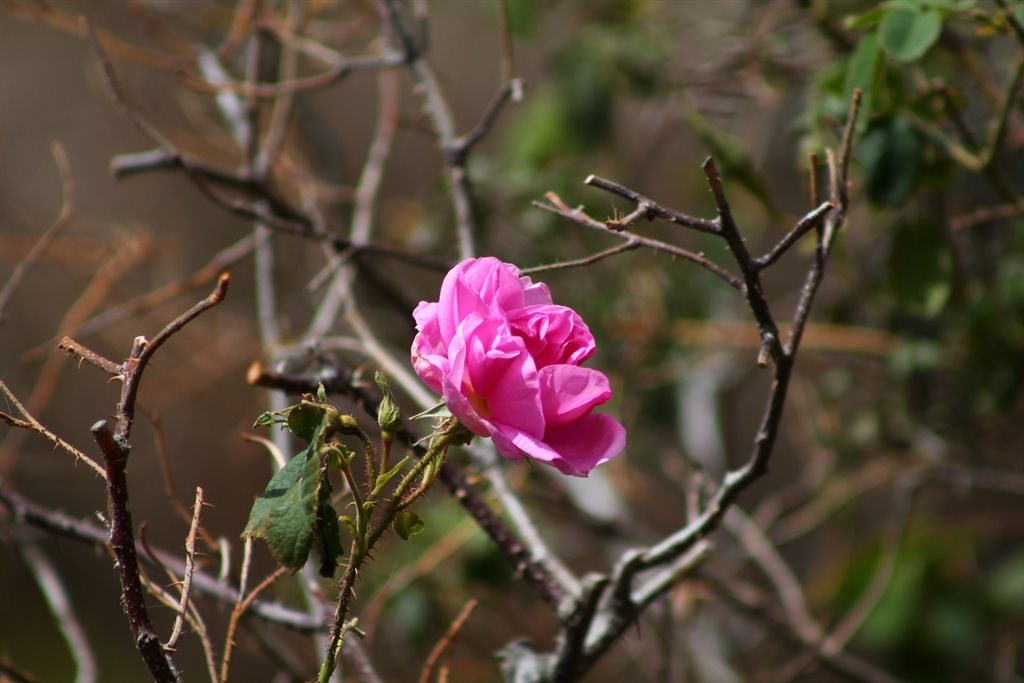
553	334
569	392
534	293
485	285
428	351
494	375
588	442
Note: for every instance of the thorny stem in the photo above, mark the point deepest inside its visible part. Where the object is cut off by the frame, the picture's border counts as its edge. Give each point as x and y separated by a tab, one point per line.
115	446
122	542
361	548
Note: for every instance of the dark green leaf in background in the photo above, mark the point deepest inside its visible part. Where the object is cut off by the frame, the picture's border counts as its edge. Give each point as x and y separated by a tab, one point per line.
920	267
891	152
907	31
862	72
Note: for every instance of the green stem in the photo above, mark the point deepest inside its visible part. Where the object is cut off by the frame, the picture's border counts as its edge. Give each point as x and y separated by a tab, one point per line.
363	546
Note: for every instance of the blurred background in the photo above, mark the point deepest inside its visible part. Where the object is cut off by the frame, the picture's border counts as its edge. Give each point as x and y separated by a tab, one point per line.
893	501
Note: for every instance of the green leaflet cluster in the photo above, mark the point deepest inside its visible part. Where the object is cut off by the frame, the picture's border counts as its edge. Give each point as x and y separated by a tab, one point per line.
294	512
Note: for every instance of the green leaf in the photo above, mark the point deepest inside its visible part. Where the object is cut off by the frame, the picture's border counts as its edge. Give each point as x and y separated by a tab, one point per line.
862	72
921	268
407	524
304	419
285	513
865	19
328	534
294	512
892	152
907	32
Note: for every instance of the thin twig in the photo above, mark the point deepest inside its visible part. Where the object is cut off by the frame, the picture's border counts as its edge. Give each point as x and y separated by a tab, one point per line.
221	261
811	220
160	448
442	647
767	558
67	208
136	363
455	148
129	251
190	567
652	208
192	617
505	33
91	357
628	245
579	216
52	586
236	615
32	424
510	91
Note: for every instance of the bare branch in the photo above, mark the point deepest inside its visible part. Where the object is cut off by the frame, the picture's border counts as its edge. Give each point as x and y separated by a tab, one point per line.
122	541
628	245
652	209
811	220
579	216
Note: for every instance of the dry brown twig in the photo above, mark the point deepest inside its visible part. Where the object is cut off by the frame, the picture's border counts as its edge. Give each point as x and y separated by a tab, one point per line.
443	646
236	616
67	209
190	566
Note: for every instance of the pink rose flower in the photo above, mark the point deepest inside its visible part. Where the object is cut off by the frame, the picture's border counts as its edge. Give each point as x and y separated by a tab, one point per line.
507	362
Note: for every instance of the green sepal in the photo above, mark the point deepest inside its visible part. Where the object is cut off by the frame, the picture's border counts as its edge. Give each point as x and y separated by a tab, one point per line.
438	411
385	477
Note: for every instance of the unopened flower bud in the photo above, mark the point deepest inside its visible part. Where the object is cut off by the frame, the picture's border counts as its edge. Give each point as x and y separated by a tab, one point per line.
389	416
